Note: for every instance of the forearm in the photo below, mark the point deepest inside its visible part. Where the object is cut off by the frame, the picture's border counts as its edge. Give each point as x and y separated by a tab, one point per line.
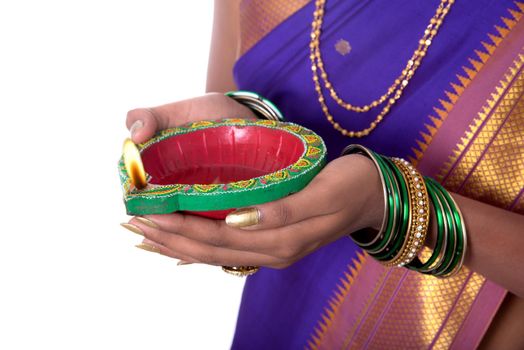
495	243
224	46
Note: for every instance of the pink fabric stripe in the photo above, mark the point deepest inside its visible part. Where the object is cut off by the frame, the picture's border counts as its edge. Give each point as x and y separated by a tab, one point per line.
352	306
377	269
470	102
385	310
478	131
444	142
516	199
490	141
479	316
450	311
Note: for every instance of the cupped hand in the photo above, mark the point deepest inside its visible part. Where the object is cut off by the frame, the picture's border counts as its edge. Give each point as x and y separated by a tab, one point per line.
143	123
344	197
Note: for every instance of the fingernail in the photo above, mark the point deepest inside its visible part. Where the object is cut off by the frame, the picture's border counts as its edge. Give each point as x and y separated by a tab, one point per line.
132	228
147	222
183	262
148	247
243	217
136	126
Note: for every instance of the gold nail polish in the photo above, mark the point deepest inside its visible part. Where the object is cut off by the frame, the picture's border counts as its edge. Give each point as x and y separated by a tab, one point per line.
147	222
183	262
243	217
148	247
132	228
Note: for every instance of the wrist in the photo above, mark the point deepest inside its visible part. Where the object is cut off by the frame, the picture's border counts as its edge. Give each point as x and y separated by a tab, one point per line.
372	207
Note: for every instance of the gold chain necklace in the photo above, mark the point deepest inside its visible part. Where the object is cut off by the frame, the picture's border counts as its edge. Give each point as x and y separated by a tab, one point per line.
394	91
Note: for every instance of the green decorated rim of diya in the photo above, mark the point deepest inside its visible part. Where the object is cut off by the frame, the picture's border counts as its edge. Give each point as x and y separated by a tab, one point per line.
168	198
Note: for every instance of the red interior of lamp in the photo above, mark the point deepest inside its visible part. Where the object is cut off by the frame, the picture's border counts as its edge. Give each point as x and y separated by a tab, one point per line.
220	155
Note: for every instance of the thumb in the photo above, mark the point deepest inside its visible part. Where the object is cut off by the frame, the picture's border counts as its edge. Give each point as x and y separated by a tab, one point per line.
145	122
142	124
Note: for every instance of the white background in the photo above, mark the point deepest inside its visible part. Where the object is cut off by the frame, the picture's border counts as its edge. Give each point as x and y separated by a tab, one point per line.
70	277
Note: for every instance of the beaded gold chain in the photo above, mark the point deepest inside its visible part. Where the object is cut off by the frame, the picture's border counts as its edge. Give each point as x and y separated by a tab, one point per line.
394	91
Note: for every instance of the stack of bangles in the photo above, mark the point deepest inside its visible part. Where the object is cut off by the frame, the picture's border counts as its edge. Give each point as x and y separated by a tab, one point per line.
408	199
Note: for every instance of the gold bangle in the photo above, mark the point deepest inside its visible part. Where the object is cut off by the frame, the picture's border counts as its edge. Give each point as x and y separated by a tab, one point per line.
419	215
240	271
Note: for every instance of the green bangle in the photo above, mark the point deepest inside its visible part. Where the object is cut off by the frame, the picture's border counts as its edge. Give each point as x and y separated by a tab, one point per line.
452	229
407	198
352	149
403	212
392	209
458	253
262	107
384	249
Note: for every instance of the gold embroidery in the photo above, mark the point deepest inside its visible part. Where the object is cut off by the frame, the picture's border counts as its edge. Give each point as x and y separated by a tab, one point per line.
259	17
336	301
367	324
459	311
489	151
343	47
464	80
418	312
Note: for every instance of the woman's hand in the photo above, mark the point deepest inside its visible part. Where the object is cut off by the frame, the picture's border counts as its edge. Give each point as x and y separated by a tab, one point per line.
143	123
344	197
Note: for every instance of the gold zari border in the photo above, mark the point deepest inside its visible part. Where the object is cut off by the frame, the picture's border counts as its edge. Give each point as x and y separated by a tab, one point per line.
259	17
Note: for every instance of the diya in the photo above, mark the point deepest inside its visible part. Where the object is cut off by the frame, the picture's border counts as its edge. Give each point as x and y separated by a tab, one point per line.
210	168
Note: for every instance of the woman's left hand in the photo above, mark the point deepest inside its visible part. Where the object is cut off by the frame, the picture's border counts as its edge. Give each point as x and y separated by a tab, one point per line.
344	197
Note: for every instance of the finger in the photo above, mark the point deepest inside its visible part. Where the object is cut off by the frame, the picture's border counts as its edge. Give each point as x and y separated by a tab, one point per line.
179	246
155	247
211	232
145	122
287	243
314	200
142	124
341	186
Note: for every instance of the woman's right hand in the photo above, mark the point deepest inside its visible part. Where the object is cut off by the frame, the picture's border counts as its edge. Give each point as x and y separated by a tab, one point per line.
143	123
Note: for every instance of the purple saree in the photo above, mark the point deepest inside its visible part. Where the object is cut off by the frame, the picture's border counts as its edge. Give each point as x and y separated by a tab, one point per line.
461	120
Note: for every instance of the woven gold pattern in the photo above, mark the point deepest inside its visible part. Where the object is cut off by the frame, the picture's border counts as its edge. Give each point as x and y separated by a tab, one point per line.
343	289
416	311
477	62
459	311
491	151
374	311
259	17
